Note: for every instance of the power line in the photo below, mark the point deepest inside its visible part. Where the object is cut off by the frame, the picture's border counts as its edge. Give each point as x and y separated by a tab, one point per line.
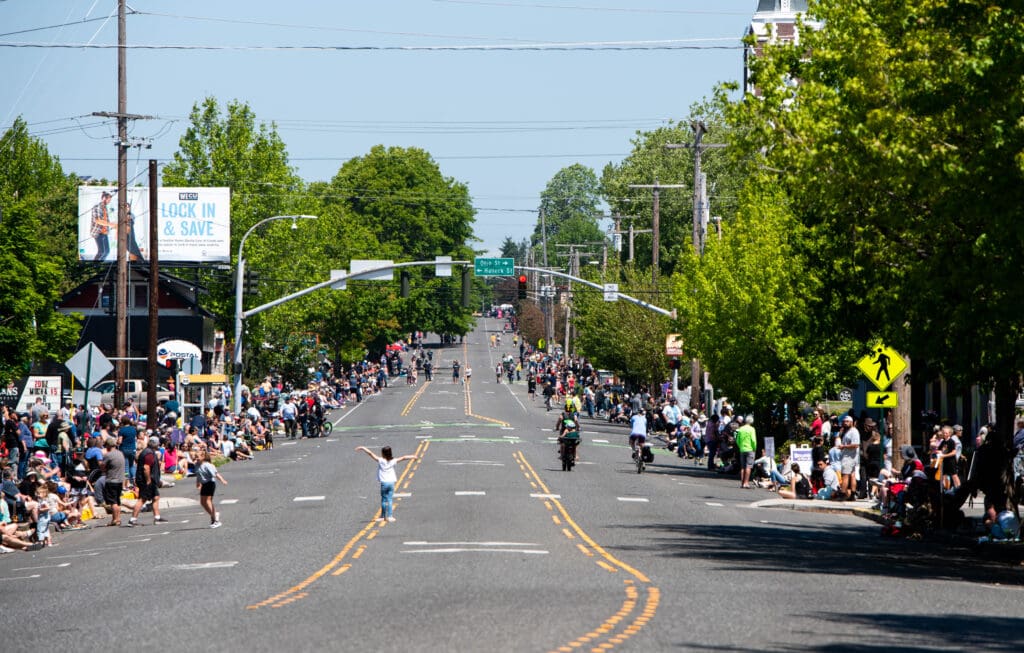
630	10
595	46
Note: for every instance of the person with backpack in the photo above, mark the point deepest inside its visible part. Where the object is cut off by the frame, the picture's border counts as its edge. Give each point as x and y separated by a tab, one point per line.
147	480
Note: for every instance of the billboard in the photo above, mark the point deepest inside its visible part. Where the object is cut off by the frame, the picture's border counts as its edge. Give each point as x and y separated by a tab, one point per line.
194	224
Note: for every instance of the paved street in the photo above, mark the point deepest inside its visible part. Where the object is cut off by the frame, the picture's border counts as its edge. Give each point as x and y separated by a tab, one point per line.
495	548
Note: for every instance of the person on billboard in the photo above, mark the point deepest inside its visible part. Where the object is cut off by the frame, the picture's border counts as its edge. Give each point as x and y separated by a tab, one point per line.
100	227
134	253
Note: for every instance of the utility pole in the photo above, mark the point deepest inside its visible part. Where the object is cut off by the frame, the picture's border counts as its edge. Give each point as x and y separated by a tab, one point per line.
655	226
121	287
699	225
631	231
122	204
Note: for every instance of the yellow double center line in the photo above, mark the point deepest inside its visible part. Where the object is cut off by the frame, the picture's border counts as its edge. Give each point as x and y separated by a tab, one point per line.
414	399
469	396
608	634
297	592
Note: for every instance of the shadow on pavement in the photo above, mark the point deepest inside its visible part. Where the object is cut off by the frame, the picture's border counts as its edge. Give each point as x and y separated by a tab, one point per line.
756	547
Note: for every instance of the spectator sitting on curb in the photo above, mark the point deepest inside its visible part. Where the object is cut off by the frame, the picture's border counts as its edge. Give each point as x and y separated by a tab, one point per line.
800	487
830	480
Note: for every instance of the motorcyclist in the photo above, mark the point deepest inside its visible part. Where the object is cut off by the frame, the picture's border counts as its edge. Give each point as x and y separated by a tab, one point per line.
568	430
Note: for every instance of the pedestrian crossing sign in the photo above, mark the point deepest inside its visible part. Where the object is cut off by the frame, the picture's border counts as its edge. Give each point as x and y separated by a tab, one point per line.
883	400
882	366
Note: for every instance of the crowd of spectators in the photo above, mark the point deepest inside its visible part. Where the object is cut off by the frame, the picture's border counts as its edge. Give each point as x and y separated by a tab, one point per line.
62	470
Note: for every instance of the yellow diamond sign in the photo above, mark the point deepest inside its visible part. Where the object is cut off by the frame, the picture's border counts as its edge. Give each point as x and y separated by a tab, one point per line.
882	366
882	400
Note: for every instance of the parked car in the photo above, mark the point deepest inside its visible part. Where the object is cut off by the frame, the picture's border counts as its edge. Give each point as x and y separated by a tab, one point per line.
134	389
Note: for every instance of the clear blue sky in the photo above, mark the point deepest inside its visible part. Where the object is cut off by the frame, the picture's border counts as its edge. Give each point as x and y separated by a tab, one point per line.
501	121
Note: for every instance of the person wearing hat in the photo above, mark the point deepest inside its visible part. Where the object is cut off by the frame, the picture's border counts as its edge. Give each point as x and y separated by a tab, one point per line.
849	449
147	479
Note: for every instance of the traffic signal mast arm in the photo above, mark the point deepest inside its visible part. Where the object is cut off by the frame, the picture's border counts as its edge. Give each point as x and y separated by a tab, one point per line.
639	302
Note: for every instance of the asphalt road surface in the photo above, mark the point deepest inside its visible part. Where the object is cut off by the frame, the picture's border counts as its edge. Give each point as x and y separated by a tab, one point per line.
494	548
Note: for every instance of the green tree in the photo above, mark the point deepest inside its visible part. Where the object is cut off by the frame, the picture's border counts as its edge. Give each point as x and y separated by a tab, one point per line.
650	161
570	205
621	336
751	309
34	196
413	212
900	151
228	148
515	249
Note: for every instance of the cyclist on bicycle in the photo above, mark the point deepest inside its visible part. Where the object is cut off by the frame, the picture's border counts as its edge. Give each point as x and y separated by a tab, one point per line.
637	431
568	429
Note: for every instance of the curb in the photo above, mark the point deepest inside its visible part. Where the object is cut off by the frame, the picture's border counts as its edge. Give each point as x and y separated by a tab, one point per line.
850	508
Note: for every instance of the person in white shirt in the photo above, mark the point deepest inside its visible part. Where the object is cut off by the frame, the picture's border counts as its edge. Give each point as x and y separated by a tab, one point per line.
387	477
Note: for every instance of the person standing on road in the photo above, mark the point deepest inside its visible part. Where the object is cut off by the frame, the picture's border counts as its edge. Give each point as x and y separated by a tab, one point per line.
112	465
455	371
850	458
387	477
289	413
147	479
206	482
746	444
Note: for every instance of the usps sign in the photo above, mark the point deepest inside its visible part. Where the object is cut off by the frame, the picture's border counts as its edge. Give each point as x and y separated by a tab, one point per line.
194	224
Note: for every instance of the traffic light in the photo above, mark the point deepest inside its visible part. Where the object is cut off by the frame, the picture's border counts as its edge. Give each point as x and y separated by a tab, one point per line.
467	284
252	282
673	363
522	286
404	283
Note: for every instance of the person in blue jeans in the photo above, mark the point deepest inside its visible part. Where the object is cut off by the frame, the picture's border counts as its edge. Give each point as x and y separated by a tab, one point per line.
387	477
127	442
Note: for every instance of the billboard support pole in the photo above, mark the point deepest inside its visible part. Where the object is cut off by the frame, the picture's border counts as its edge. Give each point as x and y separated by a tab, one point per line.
154	294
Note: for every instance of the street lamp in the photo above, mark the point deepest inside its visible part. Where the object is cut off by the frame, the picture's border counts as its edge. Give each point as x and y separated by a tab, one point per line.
239	313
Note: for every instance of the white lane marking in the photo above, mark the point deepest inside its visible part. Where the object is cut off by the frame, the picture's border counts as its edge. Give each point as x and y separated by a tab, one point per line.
287	444
426	543
206	565
711	503
22	577
546	496
402	495
314	498
546	430
228	502
361	403
467	437
471	550
634	499
79	555
63	564
470	493
600	441
508	428
490	392
494	463
129	541
424	437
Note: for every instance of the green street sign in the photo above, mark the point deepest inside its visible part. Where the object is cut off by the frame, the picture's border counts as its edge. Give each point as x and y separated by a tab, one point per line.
493	267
